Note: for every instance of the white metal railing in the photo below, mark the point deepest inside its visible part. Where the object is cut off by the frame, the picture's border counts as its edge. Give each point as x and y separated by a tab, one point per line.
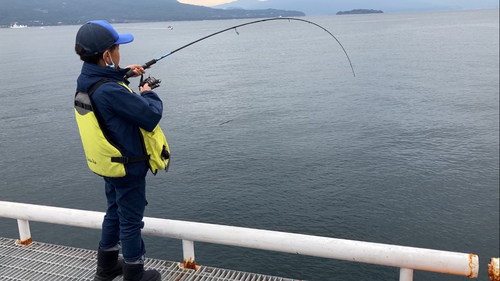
406	258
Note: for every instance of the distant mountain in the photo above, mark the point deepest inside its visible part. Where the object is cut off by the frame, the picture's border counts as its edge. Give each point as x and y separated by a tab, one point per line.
360	11
53	12
331	7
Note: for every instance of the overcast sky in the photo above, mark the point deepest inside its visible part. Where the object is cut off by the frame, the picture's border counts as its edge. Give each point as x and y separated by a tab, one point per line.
437	2
206	2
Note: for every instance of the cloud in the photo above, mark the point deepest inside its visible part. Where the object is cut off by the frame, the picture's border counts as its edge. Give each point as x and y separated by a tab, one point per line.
207	3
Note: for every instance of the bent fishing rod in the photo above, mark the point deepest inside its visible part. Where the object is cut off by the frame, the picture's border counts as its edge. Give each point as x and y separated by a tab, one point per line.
153	61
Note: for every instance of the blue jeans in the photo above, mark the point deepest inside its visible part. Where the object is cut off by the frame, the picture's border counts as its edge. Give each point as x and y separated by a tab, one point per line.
123	220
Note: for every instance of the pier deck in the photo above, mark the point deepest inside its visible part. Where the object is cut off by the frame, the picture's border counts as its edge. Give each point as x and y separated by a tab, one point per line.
41	261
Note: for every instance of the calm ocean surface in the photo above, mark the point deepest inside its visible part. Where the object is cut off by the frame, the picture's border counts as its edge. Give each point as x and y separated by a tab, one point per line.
269	129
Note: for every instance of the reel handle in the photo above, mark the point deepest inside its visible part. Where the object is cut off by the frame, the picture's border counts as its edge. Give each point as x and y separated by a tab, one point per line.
130	73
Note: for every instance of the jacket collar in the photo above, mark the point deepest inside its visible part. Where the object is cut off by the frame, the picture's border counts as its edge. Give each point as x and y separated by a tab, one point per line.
93	70
92	73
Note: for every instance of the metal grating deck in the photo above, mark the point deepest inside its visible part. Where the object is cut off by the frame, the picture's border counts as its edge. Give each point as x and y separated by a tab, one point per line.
48	262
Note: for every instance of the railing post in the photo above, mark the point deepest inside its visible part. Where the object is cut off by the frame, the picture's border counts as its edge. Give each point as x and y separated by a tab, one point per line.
494	269
24	233
188	251
406	274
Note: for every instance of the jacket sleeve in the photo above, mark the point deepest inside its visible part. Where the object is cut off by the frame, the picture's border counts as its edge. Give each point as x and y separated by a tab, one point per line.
144	110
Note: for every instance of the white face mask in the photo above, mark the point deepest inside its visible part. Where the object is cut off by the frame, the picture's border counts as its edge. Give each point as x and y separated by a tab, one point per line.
112	65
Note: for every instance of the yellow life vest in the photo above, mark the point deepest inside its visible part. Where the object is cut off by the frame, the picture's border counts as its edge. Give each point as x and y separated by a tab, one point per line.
105	158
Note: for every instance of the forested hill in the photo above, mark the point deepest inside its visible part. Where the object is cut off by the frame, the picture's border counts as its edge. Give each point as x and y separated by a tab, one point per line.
66	12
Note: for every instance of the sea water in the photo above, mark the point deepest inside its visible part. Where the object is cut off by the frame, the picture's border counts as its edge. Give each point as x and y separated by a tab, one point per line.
269	129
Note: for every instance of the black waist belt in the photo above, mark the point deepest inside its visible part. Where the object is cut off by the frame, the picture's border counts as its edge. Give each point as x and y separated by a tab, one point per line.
134	159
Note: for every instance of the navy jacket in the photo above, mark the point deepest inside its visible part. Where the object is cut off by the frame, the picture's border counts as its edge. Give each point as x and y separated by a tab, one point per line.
122	112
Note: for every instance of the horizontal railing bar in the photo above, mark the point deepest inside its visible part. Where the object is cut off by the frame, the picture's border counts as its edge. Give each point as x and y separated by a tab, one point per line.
333	248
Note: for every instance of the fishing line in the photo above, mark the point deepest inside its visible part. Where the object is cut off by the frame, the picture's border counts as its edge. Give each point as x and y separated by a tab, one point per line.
153	61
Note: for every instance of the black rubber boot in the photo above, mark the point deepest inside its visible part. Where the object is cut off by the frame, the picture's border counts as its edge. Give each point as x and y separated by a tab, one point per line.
136	272
108	265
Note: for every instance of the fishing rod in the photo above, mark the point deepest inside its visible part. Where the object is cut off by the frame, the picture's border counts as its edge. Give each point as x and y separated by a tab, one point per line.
153	61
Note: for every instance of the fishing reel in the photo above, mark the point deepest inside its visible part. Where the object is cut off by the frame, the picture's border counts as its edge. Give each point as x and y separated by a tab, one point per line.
152	82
